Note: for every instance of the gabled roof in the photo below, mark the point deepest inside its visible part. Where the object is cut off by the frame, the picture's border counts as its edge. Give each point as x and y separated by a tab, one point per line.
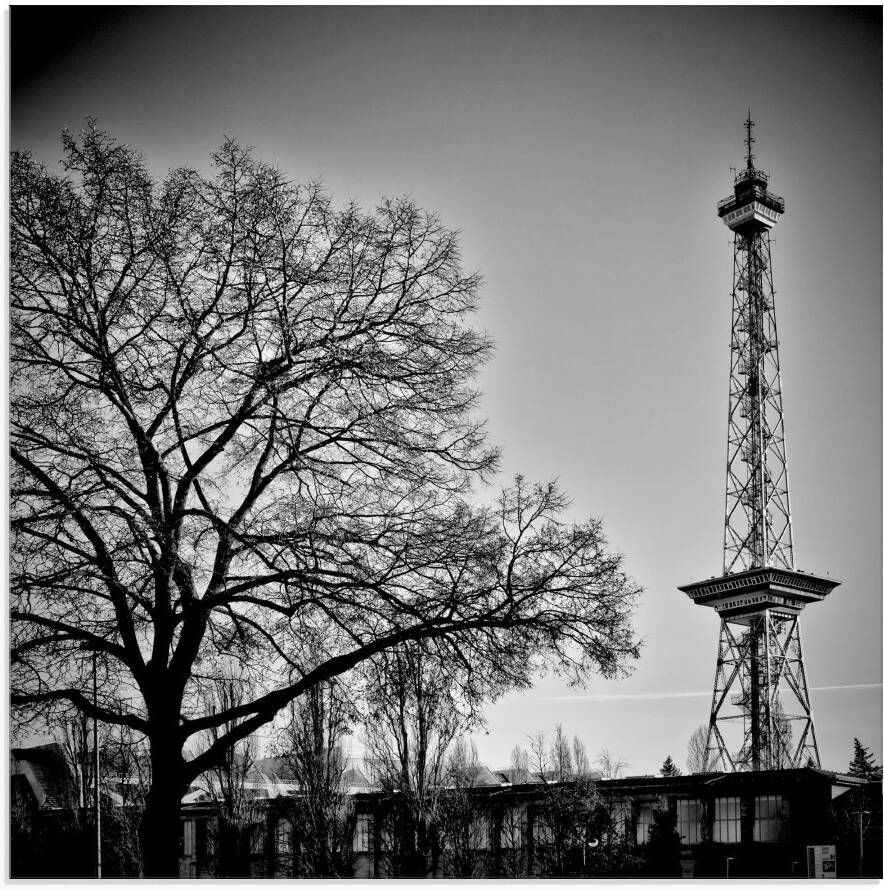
518	777
480	776
20	789
524	777
353	778
47	773
275	769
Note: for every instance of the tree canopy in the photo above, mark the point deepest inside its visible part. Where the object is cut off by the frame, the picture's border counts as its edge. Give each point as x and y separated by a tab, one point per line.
243	432
863	763
669	768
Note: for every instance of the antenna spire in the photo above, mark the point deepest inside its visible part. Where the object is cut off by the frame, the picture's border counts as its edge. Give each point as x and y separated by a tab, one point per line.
750	139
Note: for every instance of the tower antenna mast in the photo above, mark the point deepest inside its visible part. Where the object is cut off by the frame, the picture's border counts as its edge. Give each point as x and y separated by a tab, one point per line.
750	139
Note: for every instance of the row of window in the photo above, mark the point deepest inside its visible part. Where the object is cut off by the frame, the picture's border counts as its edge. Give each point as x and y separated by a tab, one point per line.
770	824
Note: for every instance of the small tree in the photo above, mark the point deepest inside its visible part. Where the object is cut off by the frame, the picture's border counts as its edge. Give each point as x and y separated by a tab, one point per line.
311	746
228	782
413	717
610	766
863	763
124	777
512	819
669	768
125	766
519	766
464	826
663	850
567	825
781	740
696	759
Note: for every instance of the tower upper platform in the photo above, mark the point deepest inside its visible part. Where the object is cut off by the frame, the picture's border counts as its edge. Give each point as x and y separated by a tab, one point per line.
751	206
744	594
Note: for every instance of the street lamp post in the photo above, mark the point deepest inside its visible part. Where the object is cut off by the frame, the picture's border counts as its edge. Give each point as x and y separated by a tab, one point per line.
96	765
96	794
859	818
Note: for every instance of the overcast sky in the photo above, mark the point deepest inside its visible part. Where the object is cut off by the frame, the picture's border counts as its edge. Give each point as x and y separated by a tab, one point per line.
580	152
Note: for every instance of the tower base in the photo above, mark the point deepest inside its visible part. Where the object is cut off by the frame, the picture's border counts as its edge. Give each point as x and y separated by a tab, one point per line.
761	716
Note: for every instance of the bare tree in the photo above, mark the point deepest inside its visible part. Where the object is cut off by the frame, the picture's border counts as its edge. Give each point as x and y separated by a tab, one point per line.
242	427
125	769
75	740
229	780
580	757
311	745
781	738
560	758
696	759
513	855
567	823
414	716
610	766
538	754
123	782
465	826
519	764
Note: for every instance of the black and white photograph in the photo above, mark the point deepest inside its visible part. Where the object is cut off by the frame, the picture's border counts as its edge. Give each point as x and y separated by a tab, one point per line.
444	442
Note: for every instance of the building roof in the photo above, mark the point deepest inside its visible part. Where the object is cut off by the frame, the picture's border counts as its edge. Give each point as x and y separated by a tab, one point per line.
518	777
47	773
480	776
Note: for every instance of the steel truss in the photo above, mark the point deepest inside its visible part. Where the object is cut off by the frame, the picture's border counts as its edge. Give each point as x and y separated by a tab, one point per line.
758	520
761	716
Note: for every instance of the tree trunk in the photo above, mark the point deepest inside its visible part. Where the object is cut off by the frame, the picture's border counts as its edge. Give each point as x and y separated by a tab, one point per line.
160	823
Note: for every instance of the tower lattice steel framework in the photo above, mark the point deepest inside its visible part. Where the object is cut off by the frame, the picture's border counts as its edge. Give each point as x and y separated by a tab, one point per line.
761	716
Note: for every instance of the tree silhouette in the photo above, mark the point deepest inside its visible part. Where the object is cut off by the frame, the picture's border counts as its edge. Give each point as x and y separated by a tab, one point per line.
663	850
311	747
696	759
243	430
669	768
863	763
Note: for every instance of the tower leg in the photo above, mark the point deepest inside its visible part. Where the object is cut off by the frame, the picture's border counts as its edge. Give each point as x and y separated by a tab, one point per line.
718	756
760	682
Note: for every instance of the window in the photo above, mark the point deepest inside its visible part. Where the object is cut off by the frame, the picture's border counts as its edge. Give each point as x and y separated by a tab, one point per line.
512	829
256	839
388	837
620	813
543	833
771	818
189	837
644	822
479	833
726	825
283	837
203	842
689	815
362	835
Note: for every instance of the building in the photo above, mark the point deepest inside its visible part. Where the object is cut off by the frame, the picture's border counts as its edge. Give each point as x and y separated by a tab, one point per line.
745	824
751	824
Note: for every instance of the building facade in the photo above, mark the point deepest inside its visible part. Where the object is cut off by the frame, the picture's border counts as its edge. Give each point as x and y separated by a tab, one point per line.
748	825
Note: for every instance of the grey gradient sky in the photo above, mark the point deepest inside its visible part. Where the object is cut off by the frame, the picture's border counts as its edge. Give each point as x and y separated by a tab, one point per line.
580	151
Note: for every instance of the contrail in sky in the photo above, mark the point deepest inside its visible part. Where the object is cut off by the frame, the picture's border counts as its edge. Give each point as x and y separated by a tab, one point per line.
658	696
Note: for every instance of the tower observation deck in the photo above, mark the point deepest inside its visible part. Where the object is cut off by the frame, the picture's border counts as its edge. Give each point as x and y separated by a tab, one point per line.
761	716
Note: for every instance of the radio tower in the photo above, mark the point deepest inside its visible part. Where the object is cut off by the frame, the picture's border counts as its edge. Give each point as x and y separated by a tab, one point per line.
761	716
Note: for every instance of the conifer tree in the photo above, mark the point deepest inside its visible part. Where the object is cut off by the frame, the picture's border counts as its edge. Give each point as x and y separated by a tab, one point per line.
863	763
669	768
